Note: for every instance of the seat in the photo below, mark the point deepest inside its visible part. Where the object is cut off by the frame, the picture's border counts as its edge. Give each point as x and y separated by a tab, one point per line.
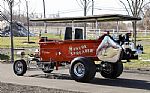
78	33
68	33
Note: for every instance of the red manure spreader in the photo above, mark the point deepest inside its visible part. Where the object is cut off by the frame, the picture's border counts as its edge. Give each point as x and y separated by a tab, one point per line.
84	57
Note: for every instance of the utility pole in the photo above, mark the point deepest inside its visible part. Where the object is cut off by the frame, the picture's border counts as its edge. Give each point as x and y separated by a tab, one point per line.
92	12
44	16
12	34
85	11
28	19
19	11
85	7
92	7
135	22
44	8
10	3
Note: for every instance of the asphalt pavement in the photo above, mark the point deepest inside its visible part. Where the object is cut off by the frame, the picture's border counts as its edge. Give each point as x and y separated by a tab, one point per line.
128	82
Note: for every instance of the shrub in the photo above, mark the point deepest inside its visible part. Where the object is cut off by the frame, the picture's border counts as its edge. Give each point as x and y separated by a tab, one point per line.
4	57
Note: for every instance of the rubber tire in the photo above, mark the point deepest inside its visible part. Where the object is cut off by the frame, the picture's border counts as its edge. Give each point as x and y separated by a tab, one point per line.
24	67
90	69
48	71
117	69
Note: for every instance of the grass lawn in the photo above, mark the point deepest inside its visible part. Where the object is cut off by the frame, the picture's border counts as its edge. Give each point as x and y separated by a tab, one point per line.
145	41
18	42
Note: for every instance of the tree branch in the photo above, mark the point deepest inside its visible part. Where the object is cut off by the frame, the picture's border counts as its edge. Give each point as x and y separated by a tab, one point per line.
125	7
143	7
140	7
139	2
130	6
79	4
88	3
146	4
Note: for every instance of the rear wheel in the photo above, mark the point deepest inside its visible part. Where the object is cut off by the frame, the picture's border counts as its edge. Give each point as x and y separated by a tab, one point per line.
48	68
82	69
20	67
111	70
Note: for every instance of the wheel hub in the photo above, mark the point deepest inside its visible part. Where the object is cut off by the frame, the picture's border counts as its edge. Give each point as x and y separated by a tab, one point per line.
107	68
79	69
19	67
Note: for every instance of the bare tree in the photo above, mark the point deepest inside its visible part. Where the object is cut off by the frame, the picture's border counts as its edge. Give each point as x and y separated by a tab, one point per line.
84	4
134	8
146	18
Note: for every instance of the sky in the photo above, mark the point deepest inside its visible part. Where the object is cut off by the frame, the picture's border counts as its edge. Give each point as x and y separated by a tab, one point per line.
66	8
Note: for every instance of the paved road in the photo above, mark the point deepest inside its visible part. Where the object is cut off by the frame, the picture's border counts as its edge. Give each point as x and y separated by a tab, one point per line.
129	82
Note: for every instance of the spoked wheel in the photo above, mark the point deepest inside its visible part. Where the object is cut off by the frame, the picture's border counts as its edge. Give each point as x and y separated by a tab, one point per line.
20	67
82	69
111	70
48	68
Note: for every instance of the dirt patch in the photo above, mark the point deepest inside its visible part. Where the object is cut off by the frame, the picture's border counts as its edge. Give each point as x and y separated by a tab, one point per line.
14	88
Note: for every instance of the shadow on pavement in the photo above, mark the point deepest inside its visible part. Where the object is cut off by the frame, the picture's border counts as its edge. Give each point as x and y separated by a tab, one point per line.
52	76
120	82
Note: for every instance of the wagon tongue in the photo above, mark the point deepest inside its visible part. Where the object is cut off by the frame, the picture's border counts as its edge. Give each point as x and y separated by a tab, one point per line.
108	50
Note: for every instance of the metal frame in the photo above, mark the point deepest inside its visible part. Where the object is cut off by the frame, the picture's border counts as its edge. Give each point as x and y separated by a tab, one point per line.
99	18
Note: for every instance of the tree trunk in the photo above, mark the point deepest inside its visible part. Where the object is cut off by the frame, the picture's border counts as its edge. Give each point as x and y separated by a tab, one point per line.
134	32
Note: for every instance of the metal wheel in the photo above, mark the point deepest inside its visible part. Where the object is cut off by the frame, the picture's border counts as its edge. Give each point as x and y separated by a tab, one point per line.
111	70
79	69
107	68
20	67
82	69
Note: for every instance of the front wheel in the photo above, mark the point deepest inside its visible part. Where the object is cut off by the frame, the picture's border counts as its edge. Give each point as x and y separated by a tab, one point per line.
82	69
111	70
20	67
